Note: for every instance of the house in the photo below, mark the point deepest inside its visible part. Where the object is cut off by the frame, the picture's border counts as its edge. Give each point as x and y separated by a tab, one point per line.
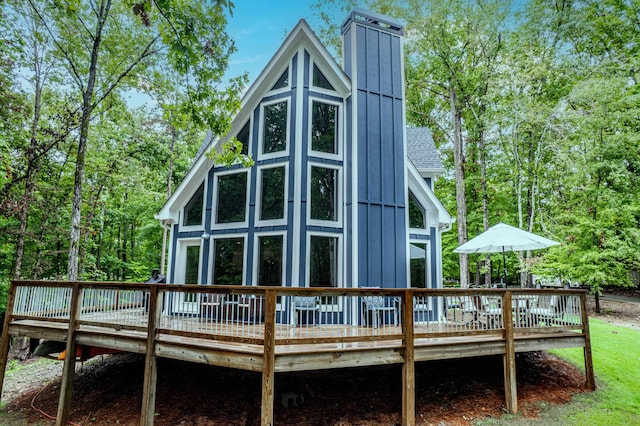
341	192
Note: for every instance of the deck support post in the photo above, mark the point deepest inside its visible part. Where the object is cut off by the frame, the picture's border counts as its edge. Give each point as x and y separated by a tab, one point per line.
408	366
147	416
268	368
6	338
69	368
588	359
510	385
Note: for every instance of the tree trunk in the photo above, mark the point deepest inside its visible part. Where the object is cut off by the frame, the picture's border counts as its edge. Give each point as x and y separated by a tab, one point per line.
461	197
87	109
33	165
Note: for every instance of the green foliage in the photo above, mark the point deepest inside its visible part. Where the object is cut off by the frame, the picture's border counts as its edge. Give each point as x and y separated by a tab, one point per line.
4	293
230	154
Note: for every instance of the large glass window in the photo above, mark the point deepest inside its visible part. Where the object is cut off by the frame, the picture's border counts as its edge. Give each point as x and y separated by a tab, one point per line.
272	197
418	265
416	213
323	259
270	260
324	193
324	122
275	127
228	261
232	196
191	271
193	209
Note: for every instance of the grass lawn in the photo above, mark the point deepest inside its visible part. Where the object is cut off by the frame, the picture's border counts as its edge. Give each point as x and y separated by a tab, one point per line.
616	359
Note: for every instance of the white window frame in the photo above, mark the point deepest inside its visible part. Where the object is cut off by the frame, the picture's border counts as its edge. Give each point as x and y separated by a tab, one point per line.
285	153
427	249
288	86
339	266
271	222
339	200
201	226
317	89
427	214
180	272
248	122
339	127
256	253
212	254
214	203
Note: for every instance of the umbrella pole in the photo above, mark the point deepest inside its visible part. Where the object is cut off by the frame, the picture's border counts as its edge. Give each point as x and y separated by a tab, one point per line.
504	268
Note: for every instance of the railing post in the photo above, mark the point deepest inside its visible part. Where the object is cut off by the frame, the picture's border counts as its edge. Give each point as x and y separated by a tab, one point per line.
588	359
66	387
268	369
408	366
151	364
4	343
510	385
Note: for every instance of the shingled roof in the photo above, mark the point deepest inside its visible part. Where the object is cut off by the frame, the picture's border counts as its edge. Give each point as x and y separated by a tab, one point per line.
422	151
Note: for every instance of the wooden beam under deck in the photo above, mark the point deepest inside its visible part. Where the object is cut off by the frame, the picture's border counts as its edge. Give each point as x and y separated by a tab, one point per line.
263	348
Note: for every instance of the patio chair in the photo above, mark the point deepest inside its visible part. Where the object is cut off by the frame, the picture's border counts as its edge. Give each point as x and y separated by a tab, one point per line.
491	310
468	308
421	308
377	307
306	307
547	310
211	306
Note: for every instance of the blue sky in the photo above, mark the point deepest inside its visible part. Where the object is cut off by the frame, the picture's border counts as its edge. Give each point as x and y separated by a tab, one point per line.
259	27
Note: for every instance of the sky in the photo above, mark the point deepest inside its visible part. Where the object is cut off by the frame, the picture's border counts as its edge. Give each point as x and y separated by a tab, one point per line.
259	27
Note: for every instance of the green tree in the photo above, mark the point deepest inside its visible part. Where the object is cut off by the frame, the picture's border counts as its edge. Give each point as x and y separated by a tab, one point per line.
105	45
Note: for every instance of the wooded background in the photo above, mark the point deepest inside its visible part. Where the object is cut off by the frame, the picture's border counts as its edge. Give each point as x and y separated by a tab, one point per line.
534	106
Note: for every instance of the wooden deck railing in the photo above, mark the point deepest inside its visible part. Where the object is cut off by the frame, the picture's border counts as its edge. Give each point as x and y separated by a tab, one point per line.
238	313
272	318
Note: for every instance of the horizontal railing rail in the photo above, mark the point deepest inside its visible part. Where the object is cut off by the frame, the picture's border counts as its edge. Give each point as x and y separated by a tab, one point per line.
302	315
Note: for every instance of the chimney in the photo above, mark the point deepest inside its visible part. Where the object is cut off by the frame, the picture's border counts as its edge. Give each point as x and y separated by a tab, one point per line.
376	150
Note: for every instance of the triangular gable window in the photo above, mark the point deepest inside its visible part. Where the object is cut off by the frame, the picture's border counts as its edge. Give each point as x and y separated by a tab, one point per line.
283	81
319	80
243	138
193	209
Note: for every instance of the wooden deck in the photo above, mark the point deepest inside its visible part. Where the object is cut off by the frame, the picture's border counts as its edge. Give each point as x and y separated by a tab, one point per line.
259	328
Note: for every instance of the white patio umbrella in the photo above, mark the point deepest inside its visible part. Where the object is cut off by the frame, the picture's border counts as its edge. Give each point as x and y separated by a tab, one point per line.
503	238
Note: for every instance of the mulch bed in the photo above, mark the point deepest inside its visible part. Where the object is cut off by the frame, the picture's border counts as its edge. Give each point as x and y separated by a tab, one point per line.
454	392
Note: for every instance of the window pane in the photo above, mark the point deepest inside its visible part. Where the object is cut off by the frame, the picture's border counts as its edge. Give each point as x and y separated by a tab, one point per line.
323	268
324	193
323	129
416	213
319	80
418	265
228	261
270	260
192	263
283	81
272	197
275	128
243	137
232	196
193	209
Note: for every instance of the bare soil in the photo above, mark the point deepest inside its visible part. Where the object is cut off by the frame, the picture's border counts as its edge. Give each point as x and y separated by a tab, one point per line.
108	390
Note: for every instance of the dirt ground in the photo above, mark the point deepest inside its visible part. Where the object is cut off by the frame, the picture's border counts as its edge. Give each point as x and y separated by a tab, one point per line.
108	390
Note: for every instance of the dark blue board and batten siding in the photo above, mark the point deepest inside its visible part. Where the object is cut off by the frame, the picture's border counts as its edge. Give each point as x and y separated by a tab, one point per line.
381	156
